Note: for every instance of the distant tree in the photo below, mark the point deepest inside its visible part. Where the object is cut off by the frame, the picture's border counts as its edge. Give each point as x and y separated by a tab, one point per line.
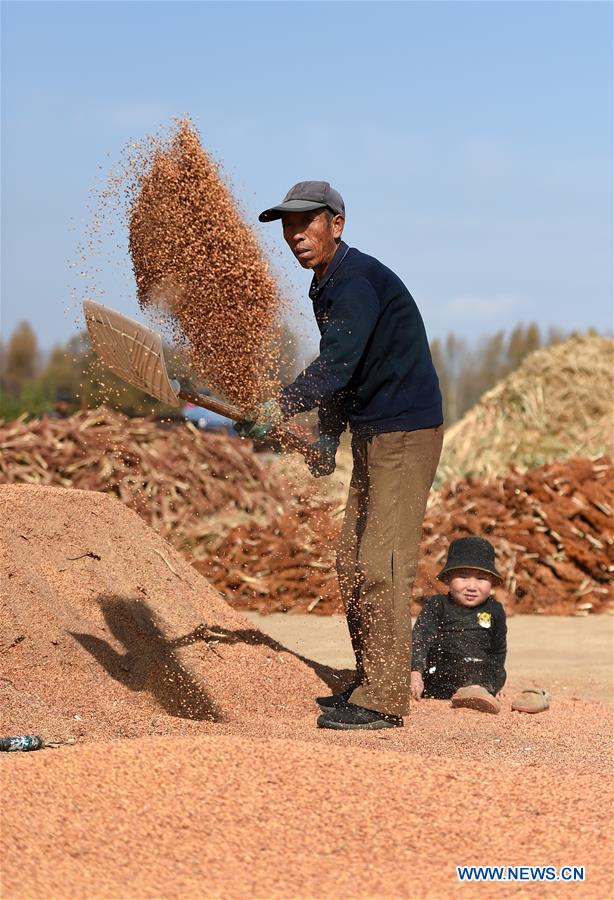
449	359
555	335
21	360
533	338
524	339
487	364
442	369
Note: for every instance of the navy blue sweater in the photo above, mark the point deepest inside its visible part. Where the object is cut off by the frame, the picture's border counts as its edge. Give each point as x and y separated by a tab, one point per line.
446	633
374	369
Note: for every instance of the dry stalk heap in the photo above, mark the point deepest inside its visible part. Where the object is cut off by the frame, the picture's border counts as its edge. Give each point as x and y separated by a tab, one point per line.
271	547
188	484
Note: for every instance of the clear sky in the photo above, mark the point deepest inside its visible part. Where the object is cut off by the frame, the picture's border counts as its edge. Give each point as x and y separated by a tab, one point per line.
472	142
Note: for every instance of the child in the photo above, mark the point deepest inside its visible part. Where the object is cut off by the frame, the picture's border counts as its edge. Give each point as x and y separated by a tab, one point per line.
459	640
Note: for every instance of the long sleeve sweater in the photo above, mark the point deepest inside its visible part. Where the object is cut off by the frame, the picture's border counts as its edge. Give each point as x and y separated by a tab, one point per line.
446	629
374	368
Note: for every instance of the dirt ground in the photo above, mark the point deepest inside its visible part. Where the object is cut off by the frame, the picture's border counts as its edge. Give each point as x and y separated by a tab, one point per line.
567	655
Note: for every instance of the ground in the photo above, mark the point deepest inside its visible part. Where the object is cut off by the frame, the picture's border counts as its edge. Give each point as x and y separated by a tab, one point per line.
570	656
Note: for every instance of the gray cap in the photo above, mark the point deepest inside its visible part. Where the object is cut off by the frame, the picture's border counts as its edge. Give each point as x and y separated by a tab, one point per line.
305	196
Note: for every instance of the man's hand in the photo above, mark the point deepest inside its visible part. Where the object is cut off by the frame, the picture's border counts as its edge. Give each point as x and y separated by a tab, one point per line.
324	462
260	421
417	685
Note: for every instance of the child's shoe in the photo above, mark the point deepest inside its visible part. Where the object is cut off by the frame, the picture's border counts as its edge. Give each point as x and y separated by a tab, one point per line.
533	700
474	696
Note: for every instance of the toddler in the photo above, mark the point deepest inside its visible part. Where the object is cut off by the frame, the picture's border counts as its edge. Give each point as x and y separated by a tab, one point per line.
459	639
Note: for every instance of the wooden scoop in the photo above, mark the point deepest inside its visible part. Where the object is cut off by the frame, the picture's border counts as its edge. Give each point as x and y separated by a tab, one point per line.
135	353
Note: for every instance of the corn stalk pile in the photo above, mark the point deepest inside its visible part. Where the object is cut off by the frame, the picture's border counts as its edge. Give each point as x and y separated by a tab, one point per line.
556	405
552	529
187	484
268	544
288	566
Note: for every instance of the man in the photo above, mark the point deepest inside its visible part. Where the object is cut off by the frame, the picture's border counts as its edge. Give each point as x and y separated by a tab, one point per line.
374	371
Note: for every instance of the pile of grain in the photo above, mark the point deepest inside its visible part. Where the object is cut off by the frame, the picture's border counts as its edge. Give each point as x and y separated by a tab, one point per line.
107	631
557	404
198	263
188	484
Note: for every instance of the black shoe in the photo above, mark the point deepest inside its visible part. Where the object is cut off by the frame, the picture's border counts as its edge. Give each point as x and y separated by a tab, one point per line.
336	701
355	717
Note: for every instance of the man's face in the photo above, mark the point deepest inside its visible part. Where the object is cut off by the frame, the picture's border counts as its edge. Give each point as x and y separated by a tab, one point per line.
470	587
312	237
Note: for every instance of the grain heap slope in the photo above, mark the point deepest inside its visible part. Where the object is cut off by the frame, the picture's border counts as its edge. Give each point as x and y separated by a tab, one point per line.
107	631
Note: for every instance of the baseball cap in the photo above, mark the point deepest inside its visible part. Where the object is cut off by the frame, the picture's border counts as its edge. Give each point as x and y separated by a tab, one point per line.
305	196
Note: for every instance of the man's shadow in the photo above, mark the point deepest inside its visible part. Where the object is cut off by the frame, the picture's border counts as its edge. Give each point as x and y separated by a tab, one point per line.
150	662
335	679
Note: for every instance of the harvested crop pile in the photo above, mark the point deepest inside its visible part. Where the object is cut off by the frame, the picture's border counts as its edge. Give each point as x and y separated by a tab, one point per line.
197	262
556	405
107	631
289	565
187	484
552	528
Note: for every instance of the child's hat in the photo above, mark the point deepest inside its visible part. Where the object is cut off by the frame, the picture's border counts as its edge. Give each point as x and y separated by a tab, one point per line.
470	553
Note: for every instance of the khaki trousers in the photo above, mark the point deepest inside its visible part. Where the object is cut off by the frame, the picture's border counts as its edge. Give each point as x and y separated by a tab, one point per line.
377	558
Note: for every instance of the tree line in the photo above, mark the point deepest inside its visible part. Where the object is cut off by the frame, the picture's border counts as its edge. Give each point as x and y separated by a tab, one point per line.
70	376
468	369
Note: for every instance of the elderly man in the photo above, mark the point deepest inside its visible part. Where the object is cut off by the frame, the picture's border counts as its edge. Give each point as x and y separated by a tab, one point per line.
375	372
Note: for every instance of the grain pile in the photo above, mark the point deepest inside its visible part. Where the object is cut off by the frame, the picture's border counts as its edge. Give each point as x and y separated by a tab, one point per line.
557	404
188	484
107	631
110	637
197	262
271	819
553	529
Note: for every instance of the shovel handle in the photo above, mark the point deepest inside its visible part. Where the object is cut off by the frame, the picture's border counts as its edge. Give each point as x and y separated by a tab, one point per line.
212	404
288	439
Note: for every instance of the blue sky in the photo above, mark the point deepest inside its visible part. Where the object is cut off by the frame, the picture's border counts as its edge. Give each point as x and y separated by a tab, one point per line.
472	142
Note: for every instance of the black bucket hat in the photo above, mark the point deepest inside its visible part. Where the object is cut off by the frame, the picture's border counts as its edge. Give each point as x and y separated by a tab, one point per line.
305	196
470	553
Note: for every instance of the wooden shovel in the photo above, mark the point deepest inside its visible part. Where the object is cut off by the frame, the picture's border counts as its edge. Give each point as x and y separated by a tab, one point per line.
135	353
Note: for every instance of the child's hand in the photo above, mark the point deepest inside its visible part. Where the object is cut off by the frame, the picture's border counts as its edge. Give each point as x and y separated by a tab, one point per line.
417	685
